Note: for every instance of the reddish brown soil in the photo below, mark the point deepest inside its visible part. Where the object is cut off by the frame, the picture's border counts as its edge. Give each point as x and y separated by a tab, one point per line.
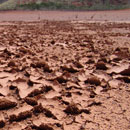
120	15
64	75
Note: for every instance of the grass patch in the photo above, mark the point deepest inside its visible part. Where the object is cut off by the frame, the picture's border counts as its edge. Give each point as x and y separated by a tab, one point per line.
46	5
97	7
12	5
8	5
63	6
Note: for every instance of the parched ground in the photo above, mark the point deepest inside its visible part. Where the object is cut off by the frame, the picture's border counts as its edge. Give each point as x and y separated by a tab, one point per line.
67	75
111	16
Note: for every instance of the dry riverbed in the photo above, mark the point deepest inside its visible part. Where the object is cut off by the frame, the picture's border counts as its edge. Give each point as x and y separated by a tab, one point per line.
64	75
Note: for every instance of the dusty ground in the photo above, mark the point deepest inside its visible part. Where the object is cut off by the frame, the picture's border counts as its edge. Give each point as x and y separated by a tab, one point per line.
69	75
114	16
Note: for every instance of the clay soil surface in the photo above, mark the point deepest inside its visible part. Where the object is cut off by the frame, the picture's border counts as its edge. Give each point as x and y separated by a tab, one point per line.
64	75
114	16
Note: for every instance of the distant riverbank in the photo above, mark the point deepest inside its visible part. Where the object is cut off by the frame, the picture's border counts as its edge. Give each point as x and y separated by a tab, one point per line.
70	5
114	16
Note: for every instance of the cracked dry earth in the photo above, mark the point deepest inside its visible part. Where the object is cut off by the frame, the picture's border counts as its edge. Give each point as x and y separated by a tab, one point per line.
64	76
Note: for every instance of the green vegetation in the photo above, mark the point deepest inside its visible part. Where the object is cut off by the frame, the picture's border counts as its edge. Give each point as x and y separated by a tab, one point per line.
66	5
8	5
48	6
108	7
63	6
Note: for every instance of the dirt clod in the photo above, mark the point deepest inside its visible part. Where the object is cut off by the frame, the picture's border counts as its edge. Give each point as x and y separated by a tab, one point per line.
72	109
101	65
6	104
93	80
2	123
11	63
24	115
45	127
38	108
31	101
21	116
